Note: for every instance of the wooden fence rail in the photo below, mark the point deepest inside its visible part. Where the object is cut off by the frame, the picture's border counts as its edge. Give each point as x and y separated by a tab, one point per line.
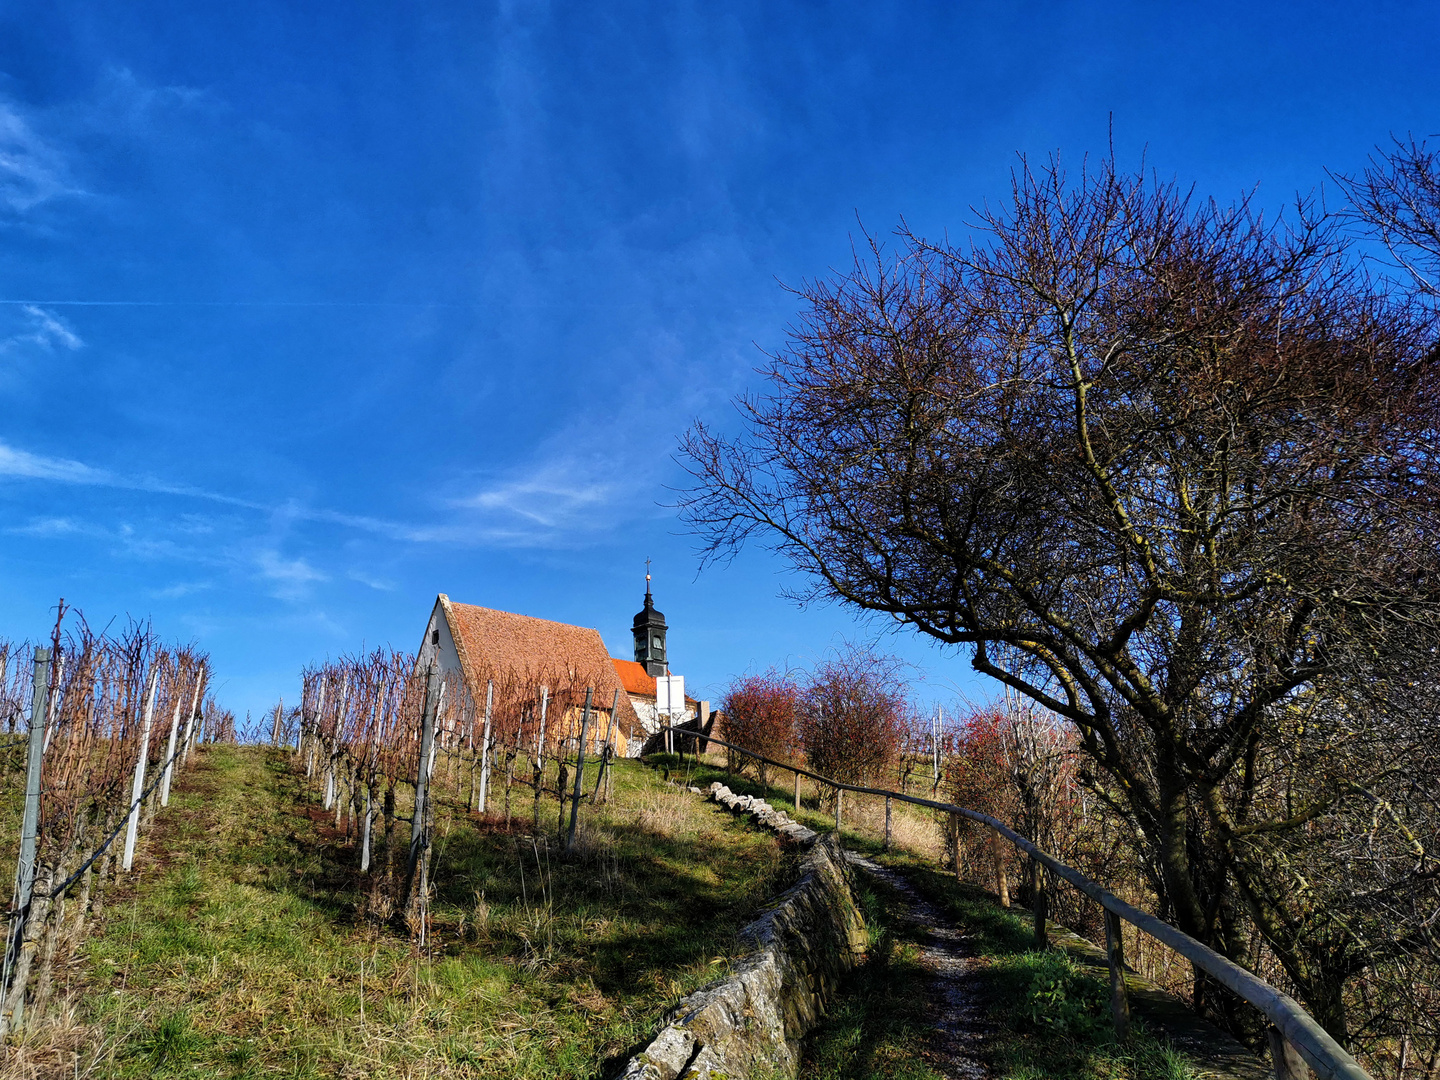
1293	1029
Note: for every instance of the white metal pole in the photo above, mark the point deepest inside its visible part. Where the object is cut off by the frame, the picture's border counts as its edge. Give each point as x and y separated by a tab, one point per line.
138	787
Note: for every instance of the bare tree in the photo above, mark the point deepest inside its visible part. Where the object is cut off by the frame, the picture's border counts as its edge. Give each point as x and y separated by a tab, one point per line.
1397	198
1179	461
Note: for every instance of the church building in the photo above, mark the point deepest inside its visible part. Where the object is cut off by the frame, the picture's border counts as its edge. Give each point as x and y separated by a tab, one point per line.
481	644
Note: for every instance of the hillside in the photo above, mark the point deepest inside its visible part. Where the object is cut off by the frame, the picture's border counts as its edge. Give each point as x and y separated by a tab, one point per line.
243	946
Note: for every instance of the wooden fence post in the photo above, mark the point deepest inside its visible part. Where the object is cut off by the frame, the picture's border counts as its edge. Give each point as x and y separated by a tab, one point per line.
14	967
483	797
579	771
1289	1065
1002	883
955	845
137	787
1040	907
1115	955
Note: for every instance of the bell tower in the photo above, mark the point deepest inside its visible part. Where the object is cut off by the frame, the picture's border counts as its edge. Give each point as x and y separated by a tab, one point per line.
649	630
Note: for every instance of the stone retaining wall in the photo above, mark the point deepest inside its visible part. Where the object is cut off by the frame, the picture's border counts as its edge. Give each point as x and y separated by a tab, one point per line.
750	1023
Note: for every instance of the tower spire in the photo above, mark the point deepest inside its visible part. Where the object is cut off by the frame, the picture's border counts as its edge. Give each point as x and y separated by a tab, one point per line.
649	630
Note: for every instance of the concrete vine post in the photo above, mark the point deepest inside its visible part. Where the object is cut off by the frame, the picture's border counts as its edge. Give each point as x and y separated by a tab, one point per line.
17	955
170	755
887	821
481	799
797	791
137	788
1115	955
839	796
579	771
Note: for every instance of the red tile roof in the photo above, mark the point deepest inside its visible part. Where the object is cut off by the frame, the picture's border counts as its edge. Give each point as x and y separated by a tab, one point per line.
494	643
634	677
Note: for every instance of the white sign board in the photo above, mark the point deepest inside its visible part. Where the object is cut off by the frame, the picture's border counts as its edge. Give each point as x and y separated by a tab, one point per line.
670	695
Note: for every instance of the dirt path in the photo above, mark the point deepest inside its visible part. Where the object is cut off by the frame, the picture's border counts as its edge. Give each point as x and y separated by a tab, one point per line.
961	1028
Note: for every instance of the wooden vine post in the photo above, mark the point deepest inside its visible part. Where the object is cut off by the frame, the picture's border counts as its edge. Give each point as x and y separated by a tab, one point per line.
20	946
483	797
606	753
414	874
539	774
579	771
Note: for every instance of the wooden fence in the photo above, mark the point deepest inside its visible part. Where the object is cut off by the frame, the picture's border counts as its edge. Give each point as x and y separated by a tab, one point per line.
1295	1038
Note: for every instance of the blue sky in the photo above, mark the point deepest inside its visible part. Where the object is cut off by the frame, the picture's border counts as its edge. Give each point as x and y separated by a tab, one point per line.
312	311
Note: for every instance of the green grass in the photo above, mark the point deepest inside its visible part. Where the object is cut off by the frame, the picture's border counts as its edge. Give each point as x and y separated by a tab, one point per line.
241	949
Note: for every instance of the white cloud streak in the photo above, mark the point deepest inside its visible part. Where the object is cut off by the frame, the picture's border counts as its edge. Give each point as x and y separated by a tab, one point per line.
42	329
22	463
31	171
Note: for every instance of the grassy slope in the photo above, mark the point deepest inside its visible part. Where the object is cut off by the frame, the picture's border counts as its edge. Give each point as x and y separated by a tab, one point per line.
241	952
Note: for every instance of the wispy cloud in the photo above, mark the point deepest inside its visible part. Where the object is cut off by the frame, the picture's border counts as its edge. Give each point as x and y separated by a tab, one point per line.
22	463
41	329
552	495
574	489
290	578
51	526
31	170
179	589
378	584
